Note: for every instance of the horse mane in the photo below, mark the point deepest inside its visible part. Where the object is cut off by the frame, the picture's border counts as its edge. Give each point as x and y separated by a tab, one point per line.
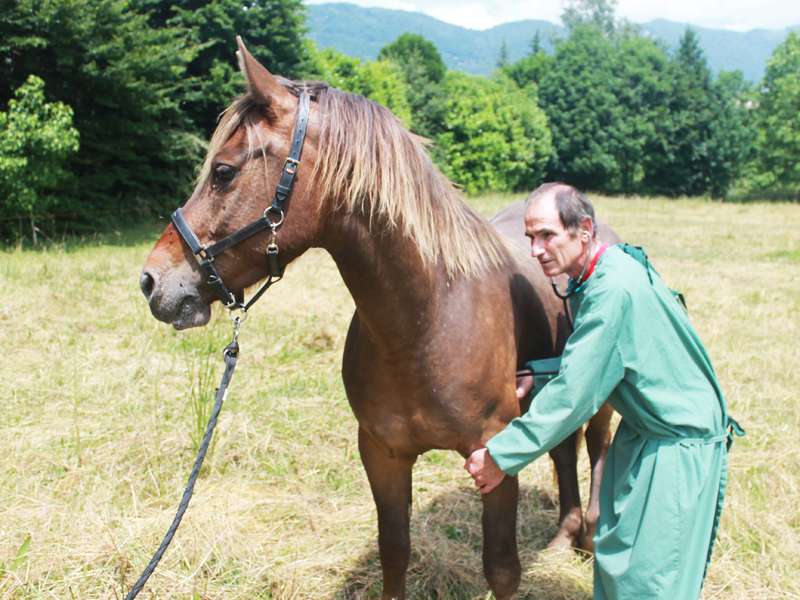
368	163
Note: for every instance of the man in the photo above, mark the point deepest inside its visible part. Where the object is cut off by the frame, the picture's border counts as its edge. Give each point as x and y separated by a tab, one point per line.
633	345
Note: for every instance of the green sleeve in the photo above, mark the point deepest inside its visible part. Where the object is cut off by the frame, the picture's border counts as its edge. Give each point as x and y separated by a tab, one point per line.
591	368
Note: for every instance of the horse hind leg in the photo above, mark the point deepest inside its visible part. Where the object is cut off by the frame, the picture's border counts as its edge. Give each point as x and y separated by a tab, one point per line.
570	522
500	558
390	481
598	441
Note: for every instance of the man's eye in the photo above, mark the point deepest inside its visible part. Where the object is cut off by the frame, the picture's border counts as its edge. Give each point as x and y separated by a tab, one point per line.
224	173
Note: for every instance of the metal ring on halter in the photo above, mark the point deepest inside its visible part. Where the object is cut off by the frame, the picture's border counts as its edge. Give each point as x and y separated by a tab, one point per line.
279	223
237	320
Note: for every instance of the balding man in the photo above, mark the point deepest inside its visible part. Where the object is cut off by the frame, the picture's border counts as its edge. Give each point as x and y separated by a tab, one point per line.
633	346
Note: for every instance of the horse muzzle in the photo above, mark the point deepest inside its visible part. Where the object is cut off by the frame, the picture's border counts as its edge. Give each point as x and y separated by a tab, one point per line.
174	304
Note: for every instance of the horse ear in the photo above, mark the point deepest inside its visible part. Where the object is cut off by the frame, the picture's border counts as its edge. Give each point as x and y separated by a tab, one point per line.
260	82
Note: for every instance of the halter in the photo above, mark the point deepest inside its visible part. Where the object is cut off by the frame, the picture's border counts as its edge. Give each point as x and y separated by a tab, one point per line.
205	254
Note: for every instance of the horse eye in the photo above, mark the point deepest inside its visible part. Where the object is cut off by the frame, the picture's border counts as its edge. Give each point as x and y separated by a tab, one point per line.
224	173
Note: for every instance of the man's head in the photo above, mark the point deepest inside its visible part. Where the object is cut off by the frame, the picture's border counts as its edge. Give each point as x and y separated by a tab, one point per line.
560	222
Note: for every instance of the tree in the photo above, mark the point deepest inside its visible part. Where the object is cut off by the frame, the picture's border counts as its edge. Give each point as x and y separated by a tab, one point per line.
643	91
381	80
411	48
532	67
123	80
596	14
272	31
578	95
704	148
35	139
536	44
495	136
778	120
503	55
423	70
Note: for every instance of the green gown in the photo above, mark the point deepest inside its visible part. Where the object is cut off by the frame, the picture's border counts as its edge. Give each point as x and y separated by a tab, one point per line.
664	478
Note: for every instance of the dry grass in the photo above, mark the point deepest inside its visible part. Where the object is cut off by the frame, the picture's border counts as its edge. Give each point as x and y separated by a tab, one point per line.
98	429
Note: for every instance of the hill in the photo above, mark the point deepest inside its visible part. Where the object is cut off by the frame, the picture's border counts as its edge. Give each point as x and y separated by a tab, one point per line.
727	50
359	31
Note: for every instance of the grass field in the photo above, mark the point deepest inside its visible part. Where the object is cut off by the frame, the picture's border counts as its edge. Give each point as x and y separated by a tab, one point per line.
103	405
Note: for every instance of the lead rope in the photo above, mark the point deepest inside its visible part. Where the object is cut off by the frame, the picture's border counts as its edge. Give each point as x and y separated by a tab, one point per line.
231	353
205	254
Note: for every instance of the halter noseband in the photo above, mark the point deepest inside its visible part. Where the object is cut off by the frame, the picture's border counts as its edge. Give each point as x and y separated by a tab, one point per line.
205	254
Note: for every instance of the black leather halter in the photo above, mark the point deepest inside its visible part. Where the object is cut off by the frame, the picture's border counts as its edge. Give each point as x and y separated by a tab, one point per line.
205	254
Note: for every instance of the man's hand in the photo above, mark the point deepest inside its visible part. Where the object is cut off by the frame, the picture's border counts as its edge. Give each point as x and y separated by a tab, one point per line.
484	470
524	384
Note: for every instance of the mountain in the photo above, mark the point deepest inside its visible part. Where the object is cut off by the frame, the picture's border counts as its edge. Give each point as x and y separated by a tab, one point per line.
362	32
728	50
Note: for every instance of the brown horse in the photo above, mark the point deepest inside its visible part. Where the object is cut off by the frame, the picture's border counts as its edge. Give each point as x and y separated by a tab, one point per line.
447	309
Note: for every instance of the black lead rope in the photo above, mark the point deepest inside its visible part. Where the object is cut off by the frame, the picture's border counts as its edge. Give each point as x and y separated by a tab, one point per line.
231	353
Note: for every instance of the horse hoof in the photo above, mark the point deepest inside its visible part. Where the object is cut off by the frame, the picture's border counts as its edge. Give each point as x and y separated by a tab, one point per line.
560	544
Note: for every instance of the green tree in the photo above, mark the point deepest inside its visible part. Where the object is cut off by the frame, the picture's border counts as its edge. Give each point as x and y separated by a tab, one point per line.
423	70
35	139
381	80
495	136
272	31
578	93
704	149
503	55
123	80
595	14
532	67
778	120
412	48
643	90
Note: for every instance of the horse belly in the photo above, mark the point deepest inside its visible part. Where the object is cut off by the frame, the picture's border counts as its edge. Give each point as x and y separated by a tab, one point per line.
453	403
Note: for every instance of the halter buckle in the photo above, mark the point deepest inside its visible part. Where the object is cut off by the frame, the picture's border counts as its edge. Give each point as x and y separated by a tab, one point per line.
202	254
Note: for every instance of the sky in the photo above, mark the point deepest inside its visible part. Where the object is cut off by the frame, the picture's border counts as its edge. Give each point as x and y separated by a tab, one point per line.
735	15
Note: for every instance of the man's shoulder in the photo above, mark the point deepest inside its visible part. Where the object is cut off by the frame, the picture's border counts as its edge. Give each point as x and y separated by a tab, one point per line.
617	268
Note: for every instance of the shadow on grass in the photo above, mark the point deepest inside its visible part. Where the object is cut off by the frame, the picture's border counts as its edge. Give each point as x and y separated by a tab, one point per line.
445	563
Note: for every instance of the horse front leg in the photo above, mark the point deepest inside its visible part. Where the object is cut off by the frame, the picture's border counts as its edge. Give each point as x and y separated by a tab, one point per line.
390	481
598	441
570	522
500	559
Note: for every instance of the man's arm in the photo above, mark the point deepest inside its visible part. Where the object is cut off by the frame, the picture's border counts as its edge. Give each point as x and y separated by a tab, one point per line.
590	370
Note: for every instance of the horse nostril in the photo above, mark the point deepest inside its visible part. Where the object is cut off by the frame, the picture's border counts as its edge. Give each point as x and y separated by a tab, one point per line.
147	284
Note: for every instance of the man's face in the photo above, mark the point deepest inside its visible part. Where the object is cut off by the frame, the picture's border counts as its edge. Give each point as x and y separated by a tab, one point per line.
556	249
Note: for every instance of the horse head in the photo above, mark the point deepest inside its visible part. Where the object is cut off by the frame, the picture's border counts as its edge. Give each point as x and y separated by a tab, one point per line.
246	158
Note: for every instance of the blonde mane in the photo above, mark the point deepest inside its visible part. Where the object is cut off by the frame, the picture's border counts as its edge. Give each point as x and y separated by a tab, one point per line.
368	163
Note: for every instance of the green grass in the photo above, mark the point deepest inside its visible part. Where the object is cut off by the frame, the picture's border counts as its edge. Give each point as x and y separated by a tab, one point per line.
103	406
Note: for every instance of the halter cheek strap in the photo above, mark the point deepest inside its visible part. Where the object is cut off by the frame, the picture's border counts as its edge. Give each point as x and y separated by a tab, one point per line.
205	254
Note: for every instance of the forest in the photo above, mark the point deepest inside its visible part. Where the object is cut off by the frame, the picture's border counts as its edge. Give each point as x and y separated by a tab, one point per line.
106	107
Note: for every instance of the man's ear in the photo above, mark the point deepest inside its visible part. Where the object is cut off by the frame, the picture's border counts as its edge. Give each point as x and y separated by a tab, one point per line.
587	226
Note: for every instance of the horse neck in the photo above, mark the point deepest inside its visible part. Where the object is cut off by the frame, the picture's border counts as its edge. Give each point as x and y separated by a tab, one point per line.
394	291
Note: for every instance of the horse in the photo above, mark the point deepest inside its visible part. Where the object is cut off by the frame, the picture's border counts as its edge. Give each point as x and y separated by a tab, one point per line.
447	308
